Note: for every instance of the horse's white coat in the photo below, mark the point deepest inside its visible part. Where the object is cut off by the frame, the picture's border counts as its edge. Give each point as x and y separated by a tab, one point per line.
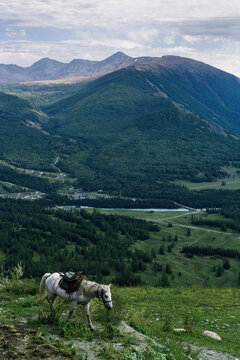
87	291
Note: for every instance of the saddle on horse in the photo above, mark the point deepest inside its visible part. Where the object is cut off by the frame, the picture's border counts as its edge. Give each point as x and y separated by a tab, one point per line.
71	281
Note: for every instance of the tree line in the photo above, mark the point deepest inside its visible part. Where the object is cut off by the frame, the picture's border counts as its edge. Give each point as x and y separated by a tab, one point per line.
47	240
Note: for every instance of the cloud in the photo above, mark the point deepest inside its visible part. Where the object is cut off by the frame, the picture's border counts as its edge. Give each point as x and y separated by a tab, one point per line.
95	29
15	33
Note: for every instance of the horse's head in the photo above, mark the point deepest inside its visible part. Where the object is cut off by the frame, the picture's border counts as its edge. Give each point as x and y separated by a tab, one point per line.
104	294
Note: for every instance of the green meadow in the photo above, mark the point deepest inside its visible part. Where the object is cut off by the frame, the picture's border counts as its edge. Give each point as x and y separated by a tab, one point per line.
230	182
176	232
152	311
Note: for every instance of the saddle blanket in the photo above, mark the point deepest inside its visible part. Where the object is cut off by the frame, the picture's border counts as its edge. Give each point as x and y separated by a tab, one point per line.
71	281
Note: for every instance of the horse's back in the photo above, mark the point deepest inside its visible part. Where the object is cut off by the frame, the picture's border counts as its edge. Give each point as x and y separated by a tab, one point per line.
52	281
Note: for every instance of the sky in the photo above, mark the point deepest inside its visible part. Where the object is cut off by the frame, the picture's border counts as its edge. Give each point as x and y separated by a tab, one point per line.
203	30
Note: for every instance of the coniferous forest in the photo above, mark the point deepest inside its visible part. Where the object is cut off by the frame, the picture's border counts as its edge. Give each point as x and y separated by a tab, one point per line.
125	250
48	240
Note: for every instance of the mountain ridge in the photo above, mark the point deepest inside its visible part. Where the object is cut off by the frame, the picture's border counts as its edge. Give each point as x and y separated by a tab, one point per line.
50	69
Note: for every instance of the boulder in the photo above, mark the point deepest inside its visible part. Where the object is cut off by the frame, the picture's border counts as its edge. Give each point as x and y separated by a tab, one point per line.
211	334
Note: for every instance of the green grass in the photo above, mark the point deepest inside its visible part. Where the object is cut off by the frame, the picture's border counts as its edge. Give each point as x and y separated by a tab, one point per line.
204	309
145	215
186	271
232	182
153	311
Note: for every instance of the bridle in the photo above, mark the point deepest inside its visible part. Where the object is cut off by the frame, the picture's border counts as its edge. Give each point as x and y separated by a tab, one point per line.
100	293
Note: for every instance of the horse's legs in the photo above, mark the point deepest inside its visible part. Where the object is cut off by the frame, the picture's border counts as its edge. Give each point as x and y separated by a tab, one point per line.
73	305
51	298
86	308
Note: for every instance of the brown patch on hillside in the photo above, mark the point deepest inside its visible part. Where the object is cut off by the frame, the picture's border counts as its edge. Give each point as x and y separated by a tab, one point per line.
17	343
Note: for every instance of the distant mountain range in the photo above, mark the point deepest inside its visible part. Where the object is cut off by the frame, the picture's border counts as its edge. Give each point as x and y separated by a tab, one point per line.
198	87
204	90
48	69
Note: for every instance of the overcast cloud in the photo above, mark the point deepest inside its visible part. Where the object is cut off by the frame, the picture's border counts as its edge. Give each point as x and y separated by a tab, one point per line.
94	29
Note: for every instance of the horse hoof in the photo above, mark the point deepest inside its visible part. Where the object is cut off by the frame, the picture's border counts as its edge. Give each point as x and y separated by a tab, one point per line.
92	329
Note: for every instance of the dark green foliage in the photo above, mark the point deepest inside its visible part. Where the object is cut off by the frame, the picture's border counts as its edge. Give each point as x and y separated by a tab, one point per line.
127	278
122	119
210	251
57	240
32	182
164	281
161	250
223	225
21	143
168	269
226	264
219	271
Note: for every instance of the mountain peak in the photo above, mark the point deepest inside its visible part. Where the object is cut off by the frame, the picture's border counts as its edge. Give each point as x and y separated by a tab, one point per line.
119	55
45	61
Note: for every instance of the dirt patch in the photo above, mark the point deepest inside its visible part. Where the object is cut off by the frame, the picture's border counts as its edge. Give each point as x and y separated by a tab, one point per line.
18	343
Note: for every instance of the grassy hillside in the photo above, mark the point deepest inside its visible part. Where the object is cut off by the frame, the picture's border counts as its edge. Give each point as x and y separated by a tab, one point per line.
141	248
153	312
41	94
193	291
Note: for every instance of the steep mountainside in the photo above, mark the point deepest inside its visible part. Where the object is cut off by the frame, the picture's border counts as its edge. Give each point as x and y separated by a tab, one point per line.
206	91
22	142
200	88
123	119
203	89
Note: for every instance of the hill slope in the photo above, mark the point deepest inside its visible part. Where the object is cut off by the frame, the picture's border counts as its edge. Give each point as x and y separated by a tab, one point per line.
23	143
203	89
123	118
158	119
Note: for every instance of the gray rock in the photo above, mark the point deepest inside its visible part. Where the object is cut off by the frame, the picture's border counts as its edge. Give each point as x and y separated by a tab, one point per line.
212	335
179	330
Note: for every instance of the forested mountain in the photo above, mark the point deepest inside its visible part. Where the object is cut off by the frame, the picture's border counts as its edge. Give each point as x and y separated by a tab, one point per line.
203	89
154	121
123	119
23	143
198	87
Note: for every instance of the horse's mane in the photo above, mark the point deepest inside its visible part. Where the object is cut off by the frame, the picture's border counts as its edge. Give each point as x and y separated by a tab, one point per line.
89	285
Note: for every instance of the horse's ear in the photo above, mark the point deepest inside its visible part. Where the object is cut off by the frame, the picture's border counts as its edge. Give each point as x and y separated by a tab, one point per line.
109	285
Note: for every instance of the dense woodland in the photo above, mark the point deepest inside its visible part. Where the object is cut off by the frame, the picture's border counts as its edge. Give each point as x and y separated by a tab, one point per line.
166	197
57	240
45	239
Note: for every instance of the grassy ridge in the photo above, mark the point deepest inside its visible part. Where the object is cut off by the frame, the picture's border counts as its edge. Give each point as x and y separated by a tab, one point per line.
154	312
197	308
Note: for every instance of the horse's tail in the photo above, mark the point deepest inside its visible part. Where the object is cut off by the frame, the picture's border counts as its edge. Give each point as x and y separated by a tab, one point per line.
42	284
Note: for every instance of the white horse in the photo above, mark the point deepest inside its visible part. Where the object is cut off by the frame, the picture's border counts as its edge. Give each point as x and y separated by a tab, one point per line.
86	292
